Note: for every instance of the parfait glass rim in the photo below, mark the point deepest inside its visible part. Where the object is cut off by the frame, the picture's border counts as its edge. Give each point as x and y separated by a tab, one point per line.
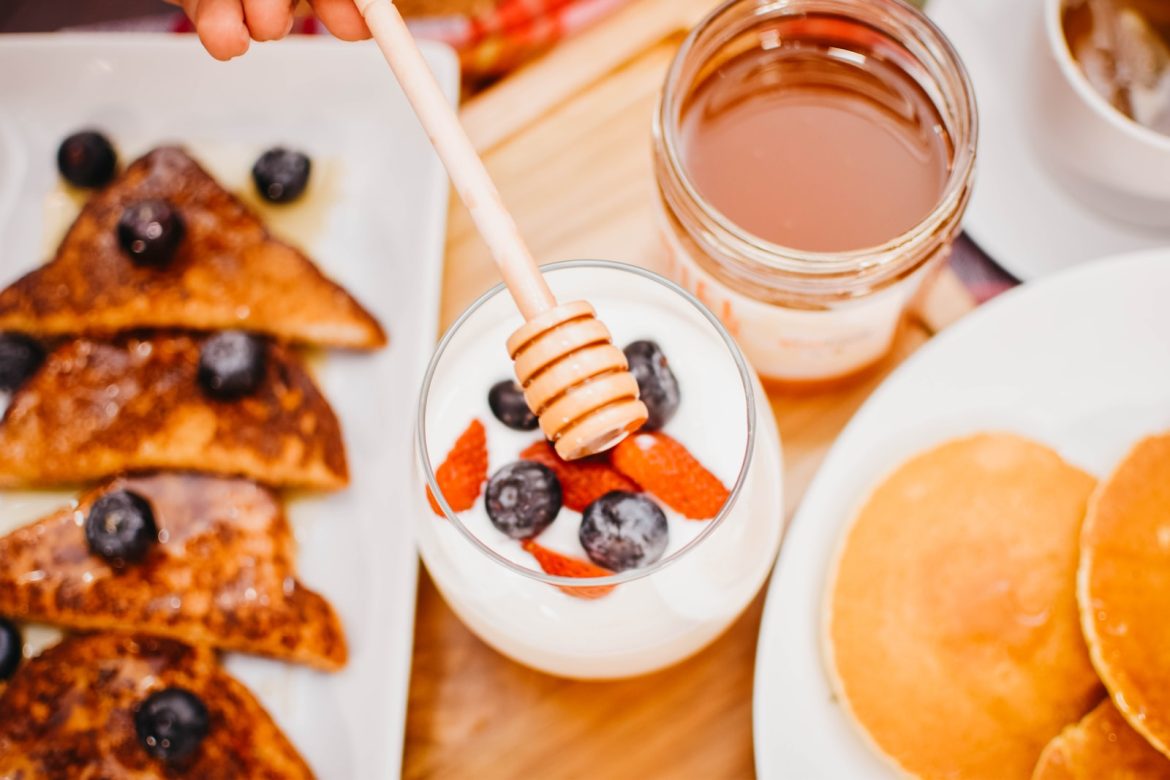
618	578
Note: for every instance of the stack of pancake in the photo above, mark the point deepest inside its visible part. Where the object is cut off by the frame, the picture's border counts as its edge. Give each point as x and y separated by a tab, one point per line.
994	612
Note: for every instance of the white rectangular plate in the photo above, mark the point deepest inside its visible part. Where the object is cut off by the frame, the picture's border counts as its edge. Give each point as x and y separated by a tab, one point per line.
374	219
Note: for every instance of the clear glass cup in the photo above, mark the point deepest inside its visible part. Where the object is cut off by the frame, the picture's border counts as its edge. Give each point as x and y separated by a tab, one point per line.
805	316
653	616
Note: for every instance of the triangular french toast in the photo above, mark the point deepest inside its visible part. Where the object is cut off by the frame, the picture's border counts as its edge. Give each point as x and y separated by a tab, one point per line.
219	572
73	712
227	271
95	409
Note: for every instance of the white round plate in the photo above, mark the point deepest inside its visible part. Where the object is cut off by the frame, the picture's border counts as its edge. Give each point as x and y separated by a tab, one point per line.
1080	361
1019	214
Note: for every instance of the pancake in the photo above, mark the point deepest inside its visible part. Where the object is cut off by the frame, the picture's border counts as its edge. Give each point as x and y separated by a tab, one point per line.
96	409
1102	746
69	714
952	630
1124	587
221	574
227	272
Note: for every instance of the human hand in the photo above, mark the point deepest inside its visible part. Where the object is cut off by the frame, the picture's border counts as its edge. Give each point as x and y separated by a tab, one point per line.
225	26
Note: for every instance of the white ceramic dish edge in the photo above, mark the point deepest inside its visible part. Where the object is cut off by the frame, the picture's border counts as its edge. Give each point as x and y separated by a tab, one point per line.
1115	386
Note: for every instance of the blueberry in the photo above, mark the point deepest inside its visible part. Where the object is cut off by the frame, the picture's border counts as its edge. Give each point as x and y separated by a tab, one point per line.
231	365
281	174
656	382
11	649
120	528
87	159
172	724
623	531
523	498
20	357
508	405
150	231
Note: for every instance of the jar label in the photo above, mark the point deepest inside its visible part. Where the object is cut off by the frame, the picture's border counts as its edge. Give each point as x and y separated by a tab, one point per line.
798	344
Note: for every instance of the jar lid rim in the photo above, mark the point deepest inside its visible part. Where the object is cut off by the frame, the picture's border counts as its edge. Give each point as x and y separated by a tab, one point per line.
819	263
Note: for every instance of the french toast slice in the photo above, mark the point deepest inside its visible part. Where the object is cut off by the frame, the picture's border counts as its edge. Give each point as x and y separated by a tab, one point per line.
70	713
227	272
222	573
95	409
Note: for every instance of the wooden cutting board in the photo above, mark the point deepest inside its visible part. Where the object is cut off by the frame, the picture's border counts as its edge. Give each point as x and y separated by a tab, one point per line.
568	141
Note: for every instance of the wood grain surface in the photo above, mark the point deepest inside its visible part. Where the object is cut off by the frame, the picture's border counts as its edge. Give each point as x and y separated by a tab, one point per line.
568	142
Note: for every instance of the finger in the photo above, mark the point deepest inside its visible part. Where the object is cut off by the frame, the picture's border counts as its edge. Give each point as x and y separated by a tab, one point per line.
268	20
220	24
342	19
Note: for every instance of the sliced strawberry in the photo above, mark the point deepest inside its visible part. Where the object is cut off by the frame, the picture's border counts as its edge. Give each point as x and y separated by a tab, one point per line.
582	481
462	474
552	562
665	468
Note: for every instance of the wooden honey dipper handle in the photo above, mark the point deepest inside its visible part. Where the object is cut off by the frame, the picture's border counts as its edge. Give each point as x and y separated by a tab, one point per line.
574	379
464	166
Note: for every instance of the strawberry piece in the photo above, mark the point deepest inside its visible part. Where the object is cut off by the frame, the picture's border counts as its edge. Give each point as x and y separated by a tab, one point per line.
462	474
552	562
665	468
582	481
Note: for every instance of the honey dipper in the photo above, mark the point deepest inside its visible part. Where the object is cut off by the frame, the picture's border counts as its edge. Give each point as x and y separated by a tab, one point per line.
575	380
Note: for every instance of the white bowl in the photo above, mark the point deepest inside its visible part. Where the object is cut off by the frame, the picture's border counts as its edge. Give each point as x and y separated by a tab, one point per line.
1103	157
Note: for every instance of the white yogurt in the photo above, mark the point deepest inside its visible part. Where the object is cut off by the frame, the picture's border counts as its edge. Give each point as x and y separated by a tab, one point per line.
649	622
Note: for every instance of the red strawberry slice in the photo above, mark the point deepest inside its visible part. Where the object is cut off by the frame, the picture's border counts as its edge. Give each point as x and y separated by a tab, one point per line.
462	474
665	468
582	481
552	562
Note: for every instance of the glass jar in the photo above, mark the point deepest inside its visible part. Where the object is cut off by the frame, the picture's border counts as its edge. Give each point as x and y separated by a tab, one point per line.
805	316
640	619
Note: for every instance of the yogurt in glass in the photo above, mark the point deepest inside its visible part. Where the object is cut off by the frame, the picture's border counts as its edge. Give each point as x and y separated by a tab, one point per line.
640	619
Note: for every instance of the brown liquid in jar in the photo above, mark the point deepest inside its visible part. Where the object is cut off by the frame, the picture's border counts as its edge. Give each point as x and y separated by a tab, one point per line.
812	142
